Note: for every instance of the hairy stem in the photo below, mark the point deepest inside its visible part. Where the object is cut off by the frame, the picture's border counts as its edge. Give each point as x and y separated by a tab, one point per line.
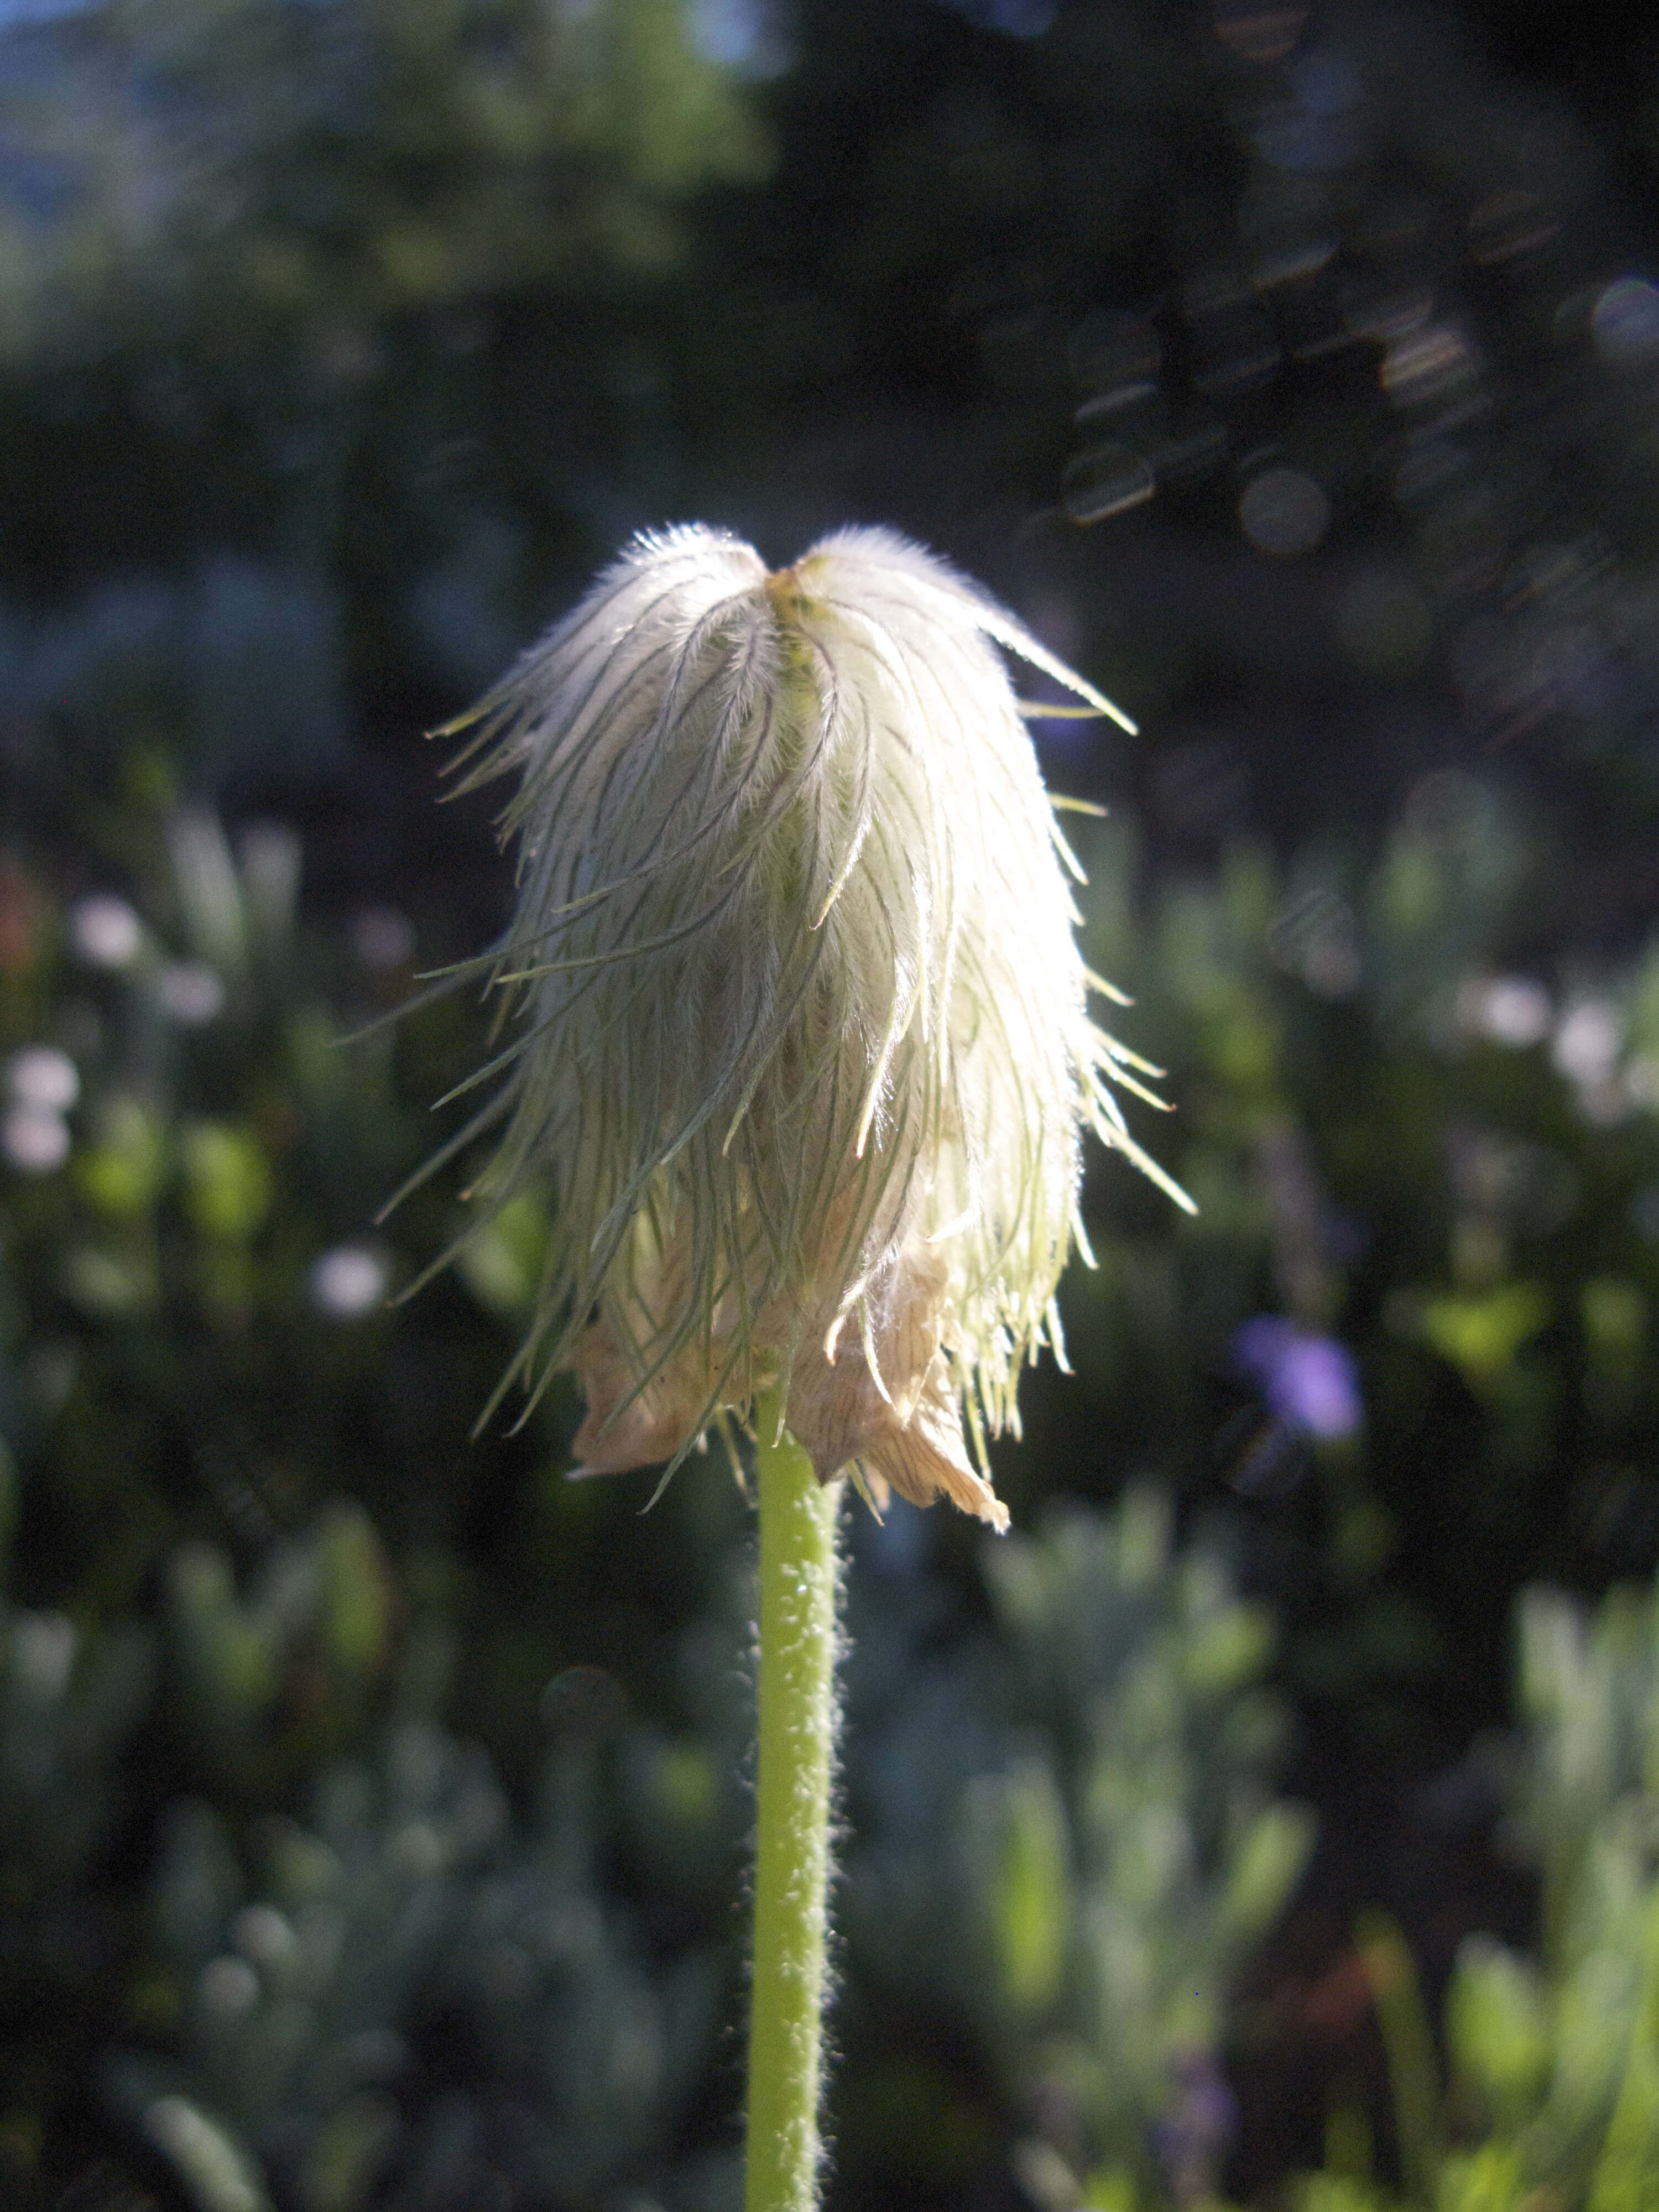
799	1578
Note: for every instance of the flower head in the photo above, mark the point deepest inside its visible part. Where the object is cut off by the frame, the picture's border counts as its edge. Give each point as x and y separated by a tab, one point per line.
792	1012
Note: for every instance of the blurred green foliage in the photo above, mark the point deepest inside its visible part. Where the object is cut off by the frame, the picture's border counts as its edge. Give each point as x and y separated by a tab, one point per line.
373	1800
332	167
338	316
376	1798
1067	1838
1550	2055
1399	1135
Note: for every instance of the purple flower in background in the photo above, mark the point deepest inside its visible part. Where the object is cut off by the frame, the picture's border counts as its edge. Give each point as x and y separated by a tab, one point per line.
1194	2136
1310	1381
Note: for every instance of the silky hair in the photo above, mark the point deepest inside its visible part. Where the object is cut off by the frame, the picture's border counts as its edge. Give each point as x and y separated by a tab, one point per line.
790	1009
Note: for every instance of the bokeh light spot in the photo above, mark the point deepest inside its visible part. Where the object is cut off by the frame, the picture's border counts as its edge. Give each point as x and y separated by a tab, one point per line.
1256	33
1284	513
1425	364
1103	481
1624	321
1509	223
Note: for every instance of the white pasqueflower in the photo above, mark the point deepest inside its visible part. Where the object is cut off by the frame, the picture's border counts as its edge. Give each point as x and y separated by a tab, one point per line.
798	1022
35	1140
105	931
42	1077
347	1281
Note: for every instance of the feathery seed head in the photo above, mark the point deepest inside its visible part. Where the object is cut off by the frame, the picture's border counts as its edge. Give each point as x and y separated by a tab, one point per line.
796	1020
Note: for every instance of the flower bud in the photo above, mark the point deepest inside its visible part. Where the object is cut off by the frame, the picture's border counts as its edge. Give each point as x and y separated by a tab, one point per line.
795	1021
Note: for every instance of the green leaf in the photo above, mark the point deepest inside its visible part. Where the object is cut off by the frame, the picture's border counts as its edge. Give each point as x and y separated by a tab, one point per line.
1030	1901
1480	1336
1496	2027
227	1179
123	1172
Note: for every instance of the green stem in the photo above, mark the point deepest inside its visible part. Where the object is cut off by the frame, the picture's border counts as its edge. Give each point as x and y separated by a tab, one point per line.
1625	2169
1408	2047
798	1577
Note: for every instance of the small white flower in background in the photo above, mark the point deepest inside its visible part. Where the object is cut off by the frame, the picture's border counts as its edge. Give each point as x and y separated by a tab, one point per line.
801	1025
1510	1010
1587	1043
104	931
35	1140
42	1083
189	992
347	1281
43	1076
